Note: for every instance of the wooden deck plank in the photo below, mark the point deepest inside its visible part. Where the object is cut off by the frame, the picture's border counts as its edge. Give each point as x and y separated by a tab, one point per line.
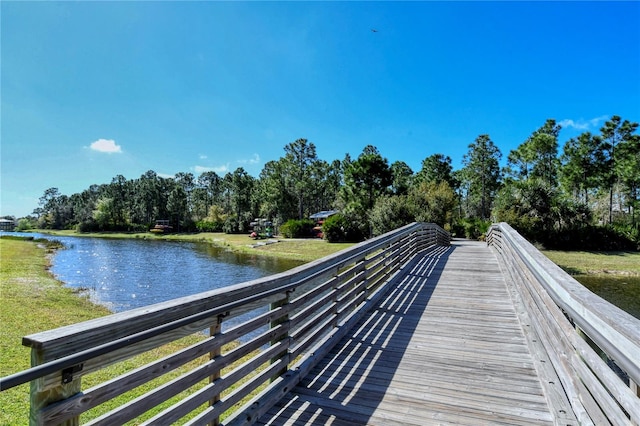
445	347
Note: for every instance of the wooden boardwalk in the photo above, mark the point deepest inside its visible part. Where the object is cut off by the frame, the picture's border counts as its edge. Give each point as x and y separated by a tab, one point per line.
446	347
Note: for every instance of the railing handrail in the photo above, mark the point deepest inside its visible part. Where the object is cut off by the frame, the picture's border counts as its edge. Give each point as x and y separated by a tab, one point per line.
122	335
44	338
601	320
612	330
95	351
37	340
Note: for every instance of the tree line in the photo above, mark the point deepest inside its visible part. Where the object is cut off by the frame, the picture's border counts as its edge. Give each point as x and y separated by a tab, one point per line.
551	195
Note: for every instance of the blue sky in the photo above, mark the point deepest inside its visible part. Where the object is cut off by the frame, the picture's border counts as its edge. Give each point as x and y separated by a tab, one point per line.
91	90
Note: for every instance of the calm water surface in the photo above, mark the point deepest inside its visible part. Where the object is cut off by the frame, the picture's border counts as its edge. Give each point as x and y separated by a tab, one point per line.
130	273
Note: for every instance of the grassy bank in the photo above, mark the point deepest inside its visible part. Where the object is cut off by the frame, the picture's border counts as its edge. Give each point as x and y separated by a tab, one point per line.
594	263
304	250
614	276
33	301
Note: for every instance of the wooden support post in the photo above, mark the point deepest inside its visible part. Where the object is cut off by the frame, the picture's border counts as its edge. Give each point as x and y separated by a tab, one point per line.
388	258
636	391
41	398
365	280
282	302
213	331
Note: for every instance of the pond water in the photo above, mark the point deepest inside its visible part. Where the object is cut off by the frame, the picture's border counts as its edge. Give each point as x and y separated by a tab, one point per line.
124	274
622	291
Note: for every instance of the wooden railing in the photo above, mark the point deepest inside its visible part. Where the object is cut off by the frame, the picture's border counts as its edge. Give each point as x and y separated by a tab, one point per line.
593	346
284	324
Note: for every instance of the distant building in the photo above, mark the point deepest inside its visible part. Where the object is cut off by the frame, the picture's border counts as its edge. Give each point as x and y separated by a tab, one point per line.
7	225
323	215
319	219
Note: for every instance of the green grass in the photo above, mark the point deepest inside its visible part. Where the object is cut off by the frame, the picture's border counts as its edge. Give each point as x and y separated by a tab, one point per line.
589	263
614	276
31	301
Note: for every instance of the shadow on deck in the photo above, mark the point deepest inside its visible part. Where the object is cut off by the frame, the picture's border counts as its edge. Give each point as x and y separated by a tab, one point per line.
352	381
445	346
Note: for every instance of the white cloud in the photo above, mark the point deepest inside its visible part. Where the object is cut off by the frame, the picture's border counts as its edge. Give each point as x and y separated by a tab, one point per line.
253	160
202	157
224	168
582	124
106	145
218	169
595	122
570	123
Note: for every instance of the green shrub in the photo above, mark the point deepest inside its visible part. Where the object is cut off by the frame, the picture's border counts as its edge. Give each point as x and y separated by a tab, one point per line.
88	226
297	228
389	213
630	232
338	228
471	228
589	238
188	225
457	229
26	224
137	227
231	225
208	226
433	202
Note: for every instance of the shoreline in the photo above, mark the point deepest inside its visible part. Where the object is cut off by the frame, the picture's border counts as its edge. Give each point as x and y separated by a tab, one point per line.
33	300
302	250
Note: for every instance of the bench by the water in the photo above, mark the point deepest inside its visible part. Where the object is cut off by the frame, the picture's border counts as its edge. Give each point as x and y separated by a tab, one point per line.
401	329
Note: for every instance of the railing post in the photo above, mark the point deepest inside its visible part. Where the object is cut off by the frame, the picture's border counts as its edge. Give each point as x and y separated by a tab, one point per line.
636	391
418	239
41	398
390	256
282	302
365	279
214	331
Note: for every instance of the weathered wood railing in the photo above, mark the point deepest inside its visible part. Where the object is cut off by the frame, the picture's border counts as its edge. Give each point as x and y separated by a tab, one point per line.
289	321
568	320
